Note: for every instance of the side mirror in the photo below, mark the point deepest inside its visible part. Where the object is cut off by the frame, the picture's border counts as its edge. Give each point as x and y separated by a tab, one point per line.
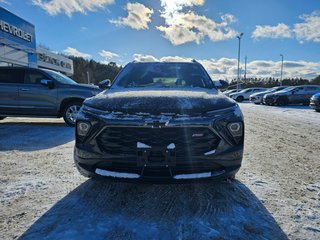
48	83
221	84
104	84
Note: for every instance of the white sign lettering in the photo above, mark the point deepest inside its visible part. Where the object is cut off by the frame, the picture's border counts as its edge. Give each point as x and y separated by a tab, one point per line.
13	30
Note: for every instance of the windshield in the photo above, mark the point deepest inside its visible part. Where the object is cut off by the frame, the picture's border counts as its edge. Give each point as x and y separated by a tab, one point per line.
60	77
163	75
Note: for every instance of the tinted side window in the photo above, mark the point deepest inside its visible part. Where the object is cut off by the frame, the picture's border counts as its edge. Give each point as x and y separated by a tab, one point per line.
33	77
11	76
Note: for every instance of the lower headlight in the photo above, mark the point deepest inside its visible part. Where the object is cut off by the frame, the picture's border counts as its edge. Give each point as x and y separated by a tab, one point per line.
83	128
236	129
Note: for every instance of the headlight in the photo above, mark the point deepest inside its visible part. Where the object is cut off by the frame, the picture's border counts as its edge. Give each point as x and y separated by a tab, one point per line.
236	129
83	128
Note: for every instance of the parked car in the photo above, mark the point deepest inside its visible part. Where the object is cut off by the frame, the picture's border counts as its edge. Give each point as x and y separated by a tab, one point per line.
315	102
160	121
257	98
245	94
228	92
41	93
292	95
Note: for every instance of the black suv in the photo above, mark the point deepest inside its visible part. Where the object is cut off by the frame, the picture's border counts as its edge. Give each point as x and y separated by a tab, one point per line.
42	93
160	121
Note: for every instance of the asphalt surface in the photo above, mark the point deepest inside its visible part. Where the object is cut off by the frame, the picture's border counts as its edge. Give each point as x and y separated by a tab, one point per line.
276	194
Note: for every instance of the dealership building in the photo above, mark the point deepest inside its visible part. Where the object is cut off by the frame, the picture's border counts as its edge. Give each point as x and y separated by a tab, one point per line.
18	46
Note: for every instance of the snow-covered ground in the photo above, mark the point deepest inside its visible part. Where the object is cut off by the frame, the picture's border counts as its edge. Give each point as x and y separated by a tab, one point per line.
276	194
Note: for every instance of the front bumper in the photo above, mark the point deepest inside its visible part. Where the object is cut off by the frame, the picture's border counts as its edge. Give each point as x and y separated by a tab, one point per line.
255	99
218	167
315	104
183	149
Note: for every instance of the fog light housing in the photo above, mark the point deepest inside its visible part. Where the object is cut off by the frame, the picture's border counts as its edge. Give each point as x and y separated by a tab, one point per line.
236	129
83	128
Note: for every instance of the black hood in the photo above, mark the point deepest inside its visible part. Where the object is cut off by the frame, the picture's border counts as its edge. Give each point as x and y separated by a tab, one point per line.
193	101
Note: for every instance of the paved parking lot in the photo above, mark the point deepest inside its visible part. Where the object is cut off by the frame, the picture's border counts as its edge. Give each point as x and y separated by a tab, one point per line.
276	194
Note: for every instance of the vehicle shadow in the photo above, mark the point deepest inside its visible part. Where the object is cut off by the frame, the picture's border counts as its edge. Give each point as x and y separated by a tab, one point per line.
33	136
99	209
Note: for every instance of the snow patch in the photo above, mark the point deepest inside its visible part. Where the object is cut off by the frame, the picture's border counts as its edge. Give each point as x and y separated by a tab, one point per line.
21	189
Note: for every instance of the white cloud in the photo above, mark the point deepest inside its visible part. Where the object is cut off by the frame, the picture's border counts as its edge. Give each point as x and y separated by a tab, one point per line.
54	7
107	54
138	17
226	68
309	30
172	7
150	58
266	31
190	27
144	58
183	27
74	52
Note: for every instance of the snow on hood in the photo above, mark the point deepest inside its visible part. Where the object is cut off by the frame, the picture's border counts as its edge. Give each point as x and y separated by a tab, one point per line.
155	101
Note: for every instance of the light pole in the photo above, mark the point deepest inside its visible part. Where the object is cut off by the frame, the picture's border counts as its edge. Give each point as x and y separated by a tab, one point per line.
281	55
245	68
238	77
88	77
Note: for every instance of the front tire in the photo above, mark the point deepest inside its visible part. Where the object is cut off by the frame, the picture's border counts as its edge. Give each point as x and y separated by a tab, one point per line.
282	102
70	112
239	99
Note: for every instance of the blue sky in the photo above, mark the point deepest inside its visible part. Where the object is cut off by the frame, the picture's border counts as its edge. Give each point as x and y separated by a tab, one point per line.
120	31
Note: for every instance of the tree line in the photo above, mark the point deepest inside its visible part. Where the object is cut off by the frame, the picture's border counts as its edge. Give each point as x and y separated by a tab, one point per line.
272	82
96	71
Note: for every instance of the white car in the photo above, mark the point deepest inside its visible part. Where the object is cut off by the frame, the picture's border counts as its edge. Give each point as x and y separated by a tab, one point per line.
245	94
228	92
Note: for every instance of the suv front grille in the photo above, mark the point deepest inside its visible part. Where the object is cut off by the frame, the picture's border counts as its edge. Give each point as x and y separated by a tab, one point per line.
188	141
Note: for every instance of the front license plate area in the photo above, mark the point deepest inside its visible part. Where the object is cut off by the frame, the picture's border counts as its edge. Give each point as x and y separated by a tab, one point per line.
156	157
